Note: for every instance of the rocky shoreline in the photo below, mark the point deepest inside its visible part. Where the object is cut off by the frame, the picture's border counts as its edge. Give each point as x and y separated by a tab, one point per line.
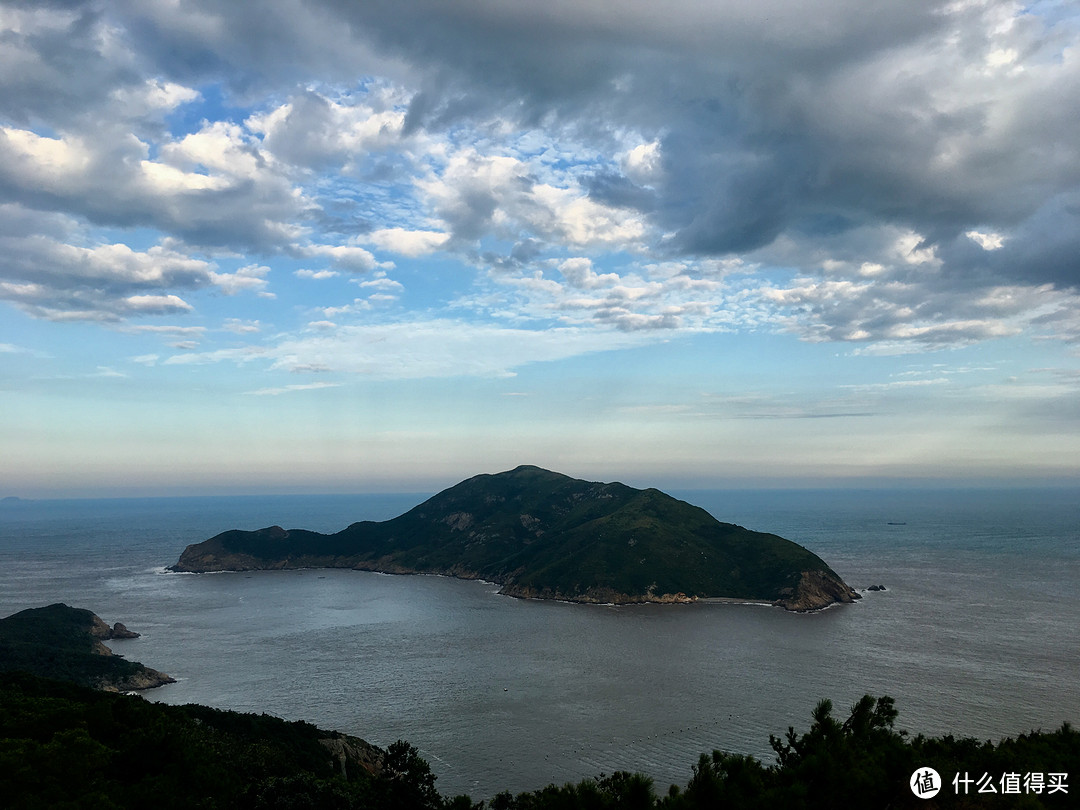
815	591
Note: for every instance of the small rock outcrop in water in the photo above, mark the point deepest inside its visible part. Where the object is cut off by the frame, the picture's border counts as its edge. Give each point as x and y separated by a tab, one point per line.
120	631
543	535
65	643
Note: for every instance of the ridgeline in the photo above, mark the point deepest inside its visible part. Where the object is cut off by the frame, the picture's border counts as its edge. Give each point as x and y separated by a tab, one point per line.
540	534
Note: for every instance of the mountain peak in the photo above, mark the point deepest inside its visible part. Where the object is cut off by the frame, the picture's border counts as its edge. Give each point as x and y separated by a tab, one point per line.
543	534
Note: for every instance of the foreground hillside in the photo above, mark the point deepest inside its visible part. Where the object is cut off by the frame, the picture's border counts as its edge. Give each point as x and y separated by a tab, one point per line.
540	534
66	746
63	745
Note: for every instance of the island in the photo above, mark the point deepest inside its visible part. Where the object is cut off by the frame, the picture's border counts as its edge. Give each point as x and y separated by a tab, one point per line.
66	643
543	535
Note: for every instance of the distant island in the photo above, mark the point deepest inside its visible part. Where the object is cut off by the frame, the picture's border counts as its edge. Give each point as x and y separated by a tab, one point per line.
65	643
544	535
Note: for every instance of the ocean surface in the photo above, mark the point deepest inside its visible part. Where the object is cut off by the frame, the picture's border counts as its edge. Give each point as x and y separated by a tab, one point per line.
975	635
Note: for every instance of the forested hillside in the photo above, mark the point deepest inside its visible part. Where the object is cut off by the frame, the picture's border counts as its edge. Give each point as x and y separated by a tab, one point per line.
62	745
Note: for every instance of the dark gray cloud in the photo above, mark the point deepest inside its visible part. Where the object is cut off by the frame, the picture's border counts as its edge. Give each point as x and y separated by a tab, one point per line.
55	65
809	136
781	118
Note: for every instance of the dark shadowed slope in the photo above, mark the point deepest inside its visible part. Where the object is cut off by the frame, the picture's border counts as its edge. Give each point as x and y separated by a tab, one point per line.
66	643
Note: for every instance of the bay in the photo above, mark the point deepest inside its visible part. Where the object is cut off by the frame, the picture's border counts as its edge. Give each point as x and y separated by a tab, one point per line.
975	634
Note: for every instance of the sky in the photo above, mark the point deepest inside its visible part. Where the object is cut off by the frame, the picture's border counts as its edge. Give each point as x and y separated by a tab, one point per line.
337	246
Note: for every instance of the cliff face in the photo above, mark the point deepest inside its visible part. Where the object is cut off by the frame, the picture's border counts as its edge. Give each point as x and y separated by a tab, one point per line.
544	535
816	590
352	755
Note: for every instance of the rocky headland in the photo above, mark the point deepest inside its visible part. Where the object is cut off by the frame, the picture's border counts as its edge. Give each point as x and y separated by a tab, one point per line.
66	643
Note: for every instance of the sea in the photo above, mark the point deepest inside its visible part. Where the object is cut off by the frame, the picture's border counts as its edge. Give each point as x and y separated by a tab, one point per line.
974	635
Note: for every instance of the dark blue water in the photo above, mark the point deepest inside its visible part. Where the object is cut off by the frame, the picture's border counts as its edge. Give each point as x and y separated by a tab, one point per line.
976	634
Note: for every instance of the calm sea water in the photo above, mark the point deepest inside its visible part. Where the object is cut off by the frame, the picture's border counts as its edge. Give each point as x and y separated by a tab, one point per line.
976	634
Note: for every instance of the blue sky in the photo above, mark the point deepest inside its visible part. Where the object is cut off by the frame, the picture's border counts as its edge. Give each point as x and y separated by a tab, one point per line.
333	246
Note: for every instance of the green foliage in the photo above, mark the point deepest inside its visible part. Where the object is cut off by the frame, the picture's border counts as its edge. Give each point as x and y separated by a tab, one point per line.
620	791
62	745
859	762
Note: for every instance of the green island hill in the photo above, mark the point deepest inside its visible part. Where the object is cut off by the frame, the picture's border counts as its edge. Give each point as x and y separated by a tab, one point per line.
543	535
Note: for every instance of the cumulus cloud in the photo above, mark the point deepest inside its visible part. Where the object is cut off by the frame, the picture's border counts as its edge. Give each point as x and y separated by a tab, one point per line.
579	273
52	279
212	187
241	327
478	195
248	278
350	258
786	122
319	275
314	131
408	243
903	316
386	285
891	167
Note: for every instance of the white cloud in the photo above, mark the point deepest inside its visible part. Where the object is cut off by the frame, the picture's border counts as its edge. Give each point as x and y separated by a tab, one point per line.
174	332
241	327
32	160
318	275
579	273
920	136
247	278
408	243
382	283
219	146
210	187
153	95
642	164
52	279
477	195
314	130
155	304
240	355
106	371
987	241
420	349
273	392
345	257
666	296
